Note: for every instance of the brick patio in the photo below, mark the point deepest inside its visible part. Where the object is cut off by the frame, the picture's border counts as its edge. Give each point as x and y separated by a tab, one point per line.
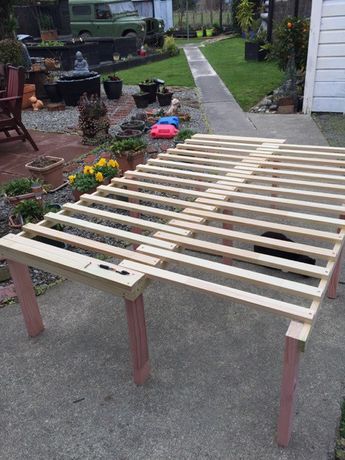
14	155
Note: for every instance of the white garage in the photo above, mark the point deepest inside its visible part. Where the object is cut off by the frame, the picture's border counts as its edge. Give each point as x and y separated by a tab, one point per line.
325	75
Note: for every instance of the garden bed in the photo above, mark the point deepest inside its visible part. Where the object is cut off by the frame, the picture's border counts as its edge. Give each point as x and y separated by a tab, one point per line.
67	122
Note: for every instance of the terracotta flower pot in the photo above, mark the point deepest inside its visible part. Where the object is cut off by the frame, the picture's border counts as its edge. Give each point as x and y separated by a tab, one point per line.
15	222
50	171
131	163
77	194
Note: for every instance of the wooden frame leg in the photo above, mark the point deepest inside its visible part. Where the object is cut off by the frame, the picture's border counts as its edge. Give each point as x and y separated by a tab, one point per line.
138	339
333	283
135	214
27	298
227	260
288	390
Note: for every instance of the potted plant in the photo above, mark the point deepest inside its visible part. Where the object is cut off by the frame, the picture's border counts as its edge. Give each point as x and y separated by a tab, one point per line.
47	30
254	39
128	134
133	124
149	86
183	134
141	99
112	86
33	211
164	96
87	180
48	169
129	153
22	189
93	120
51	88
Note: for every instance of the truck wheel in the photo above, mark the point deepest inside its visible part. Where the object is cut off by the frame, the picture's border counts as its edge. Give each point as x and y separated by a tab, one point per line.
139	42
85	34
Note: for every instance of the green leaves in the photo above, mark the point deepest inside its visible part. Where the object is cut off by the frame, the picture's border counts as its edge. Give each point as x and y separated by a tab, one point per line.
245	15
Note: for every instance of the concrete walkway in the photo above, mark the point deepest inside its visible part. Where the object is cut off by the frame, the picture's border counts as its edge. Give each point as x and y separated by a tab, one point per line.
225	116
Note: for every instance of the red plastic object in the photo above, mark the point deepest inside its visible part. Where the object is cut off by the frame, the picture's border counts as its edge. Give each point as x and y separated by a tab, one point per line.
163	131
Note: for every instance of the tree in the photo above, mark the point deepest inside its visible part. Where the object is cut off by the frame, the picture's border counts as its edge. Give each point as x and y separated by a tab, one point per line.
8	22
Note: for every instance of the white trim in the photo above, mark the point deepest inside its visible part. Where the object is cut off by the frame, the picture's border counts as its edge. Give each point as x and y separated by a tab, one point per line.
315	23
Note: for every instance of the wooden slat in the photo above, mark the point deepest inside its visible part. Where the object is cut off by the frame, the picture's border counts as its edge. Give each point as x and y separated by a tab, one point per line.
121	219
248	140
263	224
277	143
167	189
222	205
238	176
288	310
262	163
85	243
71	265
290	287
227	185
216	152
297	152
320	207
58	218
152	198
147	210
193	215
302	159
287	246
245	169
245	255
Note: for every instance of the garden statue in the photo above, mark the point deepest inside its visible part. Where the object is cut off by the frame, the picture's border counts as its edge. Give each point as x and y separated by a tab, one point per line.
264	16
174	107
37	104
81	66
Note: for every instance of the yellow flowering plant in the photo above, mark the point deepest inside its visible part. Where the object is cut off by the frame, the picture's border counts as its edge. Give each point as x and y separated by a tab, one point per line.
94	175
109	168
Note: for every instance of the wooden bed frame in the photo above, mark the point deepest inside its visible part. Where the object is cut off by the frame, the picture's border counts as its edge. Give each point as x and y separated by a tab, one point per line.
224	188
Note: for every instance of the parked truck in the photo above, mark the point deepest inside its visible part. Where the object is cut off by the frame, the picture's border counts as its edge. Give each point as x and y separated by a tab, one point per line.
96	18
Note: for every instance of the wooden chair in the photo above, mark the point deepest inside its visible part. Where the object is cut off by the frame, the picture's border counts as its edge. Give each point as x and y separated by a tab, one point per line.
11	107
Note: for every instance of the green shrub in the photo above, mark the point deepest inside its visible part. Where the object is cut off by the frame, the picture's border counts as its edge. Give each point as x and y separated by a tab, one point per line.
290	40
184	134
46	22
170	46
11	52
128	147
30	210
18	186
45	43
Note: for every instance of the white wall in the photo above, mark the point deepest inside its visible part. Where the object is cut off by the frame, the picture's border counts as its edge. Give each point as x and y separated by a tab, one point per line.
162	10
325	76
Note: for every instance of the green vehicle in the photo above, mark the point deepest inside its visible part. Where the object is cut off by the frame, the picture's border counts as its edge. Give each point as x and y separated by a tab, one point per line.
95	18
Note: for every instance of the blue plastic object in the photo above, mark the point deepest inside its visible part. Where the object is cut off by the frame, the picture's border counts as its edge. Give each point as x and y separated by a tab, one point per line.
169	121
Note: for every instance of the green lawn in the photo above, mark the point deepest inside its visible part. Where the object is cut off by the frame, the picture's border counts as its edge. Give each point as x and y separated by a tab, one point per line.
248	81
175	71
184	41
